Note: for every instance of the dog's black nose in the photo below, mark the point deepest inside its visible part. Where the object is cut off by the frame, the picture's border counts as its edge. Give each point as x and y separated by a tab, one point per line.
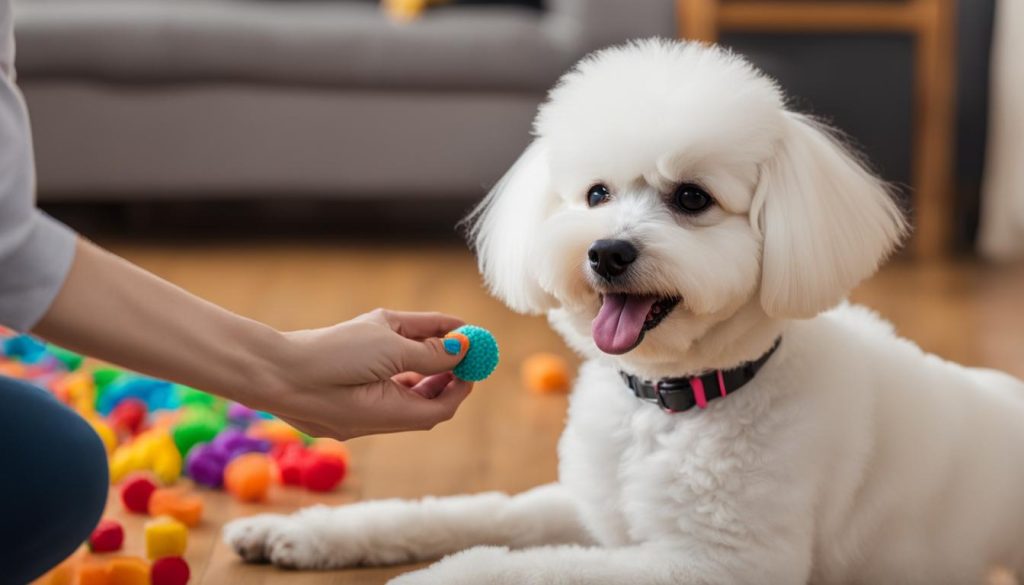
610	258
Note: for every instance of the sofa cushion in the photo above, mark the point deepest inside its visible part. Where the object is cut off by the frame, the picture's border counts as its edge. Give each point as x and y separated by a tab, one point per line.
303	42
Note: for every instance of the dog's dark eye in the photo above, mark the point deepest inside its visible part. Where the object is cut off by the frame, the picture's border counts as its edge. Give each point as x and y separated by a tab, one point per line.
597	195
691	199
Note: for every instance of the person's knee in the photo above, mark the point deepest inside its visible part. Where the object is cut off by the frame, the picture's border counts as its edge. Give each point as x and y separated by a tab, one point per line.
59	480
87	472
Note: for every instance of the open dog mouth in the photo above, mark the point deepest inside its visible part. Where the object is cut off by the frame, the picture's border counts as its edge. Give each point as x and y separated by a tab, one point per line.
624	318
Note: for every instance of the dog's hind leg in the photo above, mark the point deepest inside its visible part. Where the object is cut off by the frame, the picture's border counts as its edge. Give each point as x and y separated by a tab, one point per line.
388	532
644	564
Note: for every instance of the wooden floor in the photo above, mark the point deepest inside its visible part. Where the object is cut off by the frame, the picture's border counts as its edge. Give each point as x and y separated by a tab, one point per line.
503	437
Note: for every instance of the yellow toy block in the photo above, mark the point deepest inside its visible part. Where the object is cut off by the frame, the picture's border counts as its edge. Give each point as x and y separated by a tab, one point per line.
152	450
167	465
124	460
127	571
165	537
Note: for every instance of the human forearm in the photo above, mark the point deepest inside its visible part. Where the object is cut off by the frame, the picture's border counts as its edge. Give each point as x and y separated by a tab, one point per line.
113	310
379	372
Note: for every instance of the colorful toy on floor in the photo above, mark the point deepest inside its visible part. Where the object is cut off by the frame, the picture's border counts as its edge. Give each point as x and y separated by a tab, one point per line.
108	536
319	468
165	537
178	504
127	571
93	572
247	478
546	373
169	571
153	450
128	416
482	357
321	472
136	492
275	432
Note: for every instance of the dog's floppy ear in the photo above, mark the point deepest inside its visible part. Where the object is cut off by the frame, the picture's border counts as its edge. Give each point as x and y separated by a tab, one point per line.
503	228
827	221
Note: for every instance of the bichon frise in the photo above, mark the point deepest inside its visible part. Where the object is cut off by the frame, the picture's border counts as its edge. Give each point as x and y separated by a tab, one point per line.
737	423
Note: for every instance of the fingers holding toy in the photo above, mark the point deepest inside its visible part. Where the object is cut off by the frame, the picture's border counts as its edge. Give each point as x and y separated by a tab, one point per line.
384	371
439	398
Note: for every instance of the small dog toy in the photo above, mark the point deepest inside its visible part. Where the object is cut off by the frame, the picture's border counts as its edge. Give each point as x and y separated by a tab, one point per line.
176	503
319	468
482	356
128	416
108	536
205	465
169	571
91	572
136	492
153	450
248	477
165	537
545	373
128	571
322	472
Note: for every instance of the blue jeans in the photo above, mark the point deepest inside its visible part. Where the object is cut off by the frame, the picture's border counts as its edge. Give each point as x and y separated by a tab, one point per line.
53	481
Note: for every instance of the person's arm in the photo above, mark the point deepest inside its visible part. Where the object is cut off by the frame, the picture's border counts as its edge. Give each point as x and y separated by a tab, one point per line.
381	372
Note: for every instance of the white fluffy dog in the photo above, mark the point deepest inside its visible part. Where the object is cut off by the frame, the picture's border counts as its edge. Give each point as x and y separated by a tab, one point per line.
679	225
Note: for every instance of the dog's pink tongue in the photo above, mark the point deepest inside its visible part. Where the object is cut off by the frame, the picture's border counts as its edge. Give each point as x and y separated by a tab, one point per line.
620	321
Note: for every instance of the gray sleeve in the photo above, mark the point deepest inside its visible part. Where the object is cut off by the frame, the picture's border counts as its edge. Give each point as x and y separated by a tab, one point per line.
35	250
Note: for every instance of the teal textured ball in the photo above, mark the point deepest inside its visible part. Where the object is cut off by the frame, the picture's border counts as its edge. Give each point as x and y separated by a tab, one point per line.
482	357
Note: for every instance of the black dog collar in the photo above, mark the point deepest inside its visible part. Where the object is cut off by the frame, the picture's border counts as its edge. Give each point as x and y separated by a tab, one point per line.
682	394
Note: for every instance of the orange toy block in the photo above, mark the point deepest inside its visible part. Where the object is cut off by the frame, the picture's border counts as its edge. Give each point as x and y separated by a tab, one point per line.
276	431
16	370
546	373
128	571
178	504
248	477
94	573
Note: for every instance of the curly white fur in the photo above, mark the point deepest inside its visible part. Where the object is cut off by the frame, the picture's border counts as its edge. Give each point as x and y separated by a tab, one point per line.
852	457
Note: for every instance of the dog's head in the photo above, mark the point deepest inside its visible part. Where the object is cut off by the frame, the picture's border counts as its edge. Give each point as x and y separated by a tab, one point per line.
667	189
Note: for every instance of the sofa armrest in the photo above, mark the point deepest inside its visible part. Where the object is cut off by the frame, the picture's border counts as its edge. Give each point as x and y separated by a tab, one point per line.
581	26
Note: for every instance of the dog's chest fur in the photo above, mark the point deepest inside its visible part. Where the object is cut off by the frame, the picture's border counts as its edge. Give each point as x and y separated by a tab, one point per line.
642	474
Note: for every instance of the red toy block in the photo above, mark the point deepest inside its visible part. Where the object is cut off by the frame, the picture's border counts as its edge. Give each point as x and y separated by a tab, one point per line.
107	537
289	458
135	493
322	472
169	571
128	415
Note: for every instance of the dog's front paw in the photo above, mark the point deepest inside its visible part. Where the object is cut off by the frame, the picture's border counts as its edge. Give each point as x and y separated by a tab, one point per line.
294	546
312	538
248	536
482	565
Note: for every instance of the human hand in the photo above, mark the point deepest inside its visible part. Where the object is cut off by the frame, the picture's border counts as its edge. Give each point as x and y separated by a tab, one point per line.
381	372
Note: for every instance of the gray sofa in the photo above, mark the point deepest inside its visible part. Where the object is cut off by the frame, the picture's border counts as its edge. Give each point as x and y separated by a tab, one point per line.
180	99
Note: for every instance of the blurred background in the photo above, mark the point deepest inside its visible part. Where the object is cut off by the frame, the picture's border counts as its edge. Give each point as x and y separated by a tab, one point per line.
302	161
215	113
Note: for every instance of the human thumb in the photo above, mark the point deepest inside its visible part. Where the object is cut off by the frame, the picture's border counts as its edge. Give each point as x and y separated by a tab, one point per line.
434	355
